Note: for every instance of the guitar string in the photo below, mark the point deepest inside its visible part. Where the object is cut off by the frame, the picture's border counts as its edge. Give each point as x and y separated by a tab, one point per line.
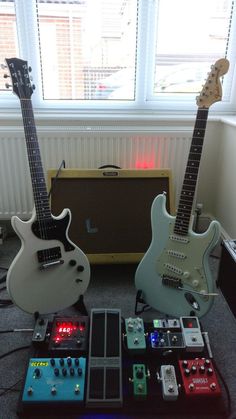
26	115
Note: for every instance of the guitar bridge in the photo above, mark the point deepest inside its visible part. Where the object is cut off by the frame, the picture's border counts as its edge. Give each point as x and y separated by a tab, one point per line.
171	282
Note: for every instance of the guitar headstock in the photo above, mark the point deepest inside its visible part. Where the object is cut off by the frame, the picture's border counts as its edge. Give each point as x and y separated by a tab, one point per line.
19	72
212	89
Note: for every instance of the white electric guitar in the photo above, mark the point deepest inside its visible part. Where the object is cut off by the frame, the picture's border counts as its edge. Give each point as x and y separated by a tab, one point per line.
50	272
174	276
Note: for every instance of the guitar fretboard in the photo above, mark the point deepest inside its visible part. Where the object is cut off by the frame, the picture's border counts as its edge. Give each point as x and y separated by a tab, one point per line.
184	211
35	163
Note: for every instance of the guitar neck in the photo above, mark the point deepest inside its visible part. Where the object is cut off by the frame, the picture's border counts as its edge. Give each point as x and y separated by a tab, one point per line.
184	211
35	163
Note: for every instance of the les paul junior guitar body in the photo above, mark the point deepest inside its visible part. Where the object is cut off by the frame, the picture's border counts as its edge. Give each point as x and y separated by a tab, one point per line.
50	272
174	276
176	268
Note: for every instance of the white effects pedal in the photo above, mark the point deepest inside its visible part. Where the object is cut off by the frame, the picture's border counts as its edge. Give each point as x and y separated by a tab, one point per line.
170	390
192	334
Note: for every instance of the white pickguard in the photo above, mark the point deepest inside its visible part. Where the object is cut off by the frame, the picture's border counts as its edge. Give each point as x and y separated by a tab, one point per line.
51	289
185	258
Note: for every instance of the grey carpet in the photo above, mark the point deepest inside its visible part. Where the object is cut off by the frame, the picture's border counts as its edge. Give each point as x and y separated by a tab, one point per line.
110	287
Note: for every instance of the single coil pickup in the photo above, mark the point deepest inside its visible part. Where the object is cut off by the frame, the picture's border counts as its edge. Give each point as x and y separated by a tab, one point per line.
49	255
176	254
179	239
169	281
173	268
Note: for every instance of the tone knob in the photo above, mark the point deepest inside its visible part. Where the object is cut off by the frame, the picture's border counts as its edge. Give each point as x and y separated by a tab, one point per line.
80	268
186	275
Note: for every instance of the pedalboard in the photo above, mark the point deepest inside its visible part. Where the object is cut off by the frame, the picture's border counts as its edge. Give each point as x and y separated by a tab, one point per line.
199	378
54	380
170	390
135	334
82	364
69	334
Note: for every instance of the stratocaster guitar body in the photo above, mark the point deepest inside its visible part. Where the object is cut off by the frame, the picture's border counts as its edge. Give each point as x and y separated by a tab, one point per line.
174	276
175	267
50	272
38	286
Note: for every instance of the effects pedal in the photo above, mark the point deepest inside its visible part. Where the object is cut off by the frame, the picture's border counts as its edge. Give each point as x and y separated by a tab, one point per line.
54	380
166	340
170	390
40	330
139	381
192	334
135	334
69	334
104	384
199	378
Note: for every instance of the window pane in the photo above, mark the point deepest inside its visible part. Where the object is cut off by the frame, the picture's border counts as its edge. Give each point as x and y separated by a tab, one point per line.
8	36
88	48
195	36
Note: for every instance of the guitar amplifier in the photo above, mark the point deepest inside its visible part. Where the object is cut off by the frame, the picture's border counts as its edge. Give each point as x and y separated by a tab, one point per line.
111	209
227	273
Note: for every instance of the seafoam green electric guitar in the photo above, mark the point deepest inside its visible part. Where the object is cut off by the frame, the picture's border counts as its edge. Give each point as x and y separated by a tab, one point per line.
174	275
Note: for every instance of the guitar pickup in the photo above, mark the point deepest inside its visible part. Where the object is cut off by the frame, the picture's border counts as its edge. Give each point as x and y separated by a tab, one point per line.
48	256
169	281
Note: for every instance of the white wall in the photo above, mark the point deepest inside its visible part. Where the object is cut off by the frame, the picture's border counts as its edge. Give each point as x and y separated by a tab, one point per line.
224	199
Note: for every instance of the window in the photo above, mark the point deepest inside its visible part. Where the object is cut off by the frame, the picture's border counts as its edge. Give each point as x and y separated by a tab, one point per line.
137	55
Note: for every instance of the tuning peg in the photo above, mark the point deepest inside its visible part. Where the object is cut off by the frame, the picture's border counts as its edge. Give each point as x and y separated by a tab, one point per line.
5	76
3	66
30	69
33	86
8	85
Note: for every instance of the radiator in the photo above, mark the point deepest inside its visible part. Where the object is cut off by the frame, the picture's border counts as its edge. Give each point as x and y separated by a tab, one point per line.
87	149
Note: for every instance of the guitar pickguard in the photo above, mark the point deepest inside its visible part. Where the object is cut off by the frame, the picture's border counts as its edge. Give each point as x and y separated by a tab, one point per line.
53	229
183	260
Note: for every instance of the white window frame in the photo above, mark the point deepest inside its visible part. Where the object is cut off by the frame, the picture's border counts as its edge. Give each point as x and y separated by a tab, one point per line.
144	105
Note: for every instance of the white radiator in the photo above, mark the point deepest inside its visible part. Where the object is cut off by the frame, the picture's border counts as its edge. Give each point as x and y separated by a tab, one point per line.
85	150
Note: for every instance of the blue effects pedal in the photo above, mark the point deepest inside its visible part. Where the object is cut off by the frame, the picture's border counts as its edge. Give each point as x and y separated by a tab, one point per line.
54	380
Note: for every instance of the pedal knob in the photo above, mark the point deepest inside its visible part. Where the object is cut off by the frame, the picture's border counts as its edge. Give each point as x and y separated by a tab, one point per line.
193	369
56	372
191	386
187	372
37	373
64	372
207	362
185	363
61	362
72	371
76	361
209	371
69	361
139	373
202	369
170	388
52	362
